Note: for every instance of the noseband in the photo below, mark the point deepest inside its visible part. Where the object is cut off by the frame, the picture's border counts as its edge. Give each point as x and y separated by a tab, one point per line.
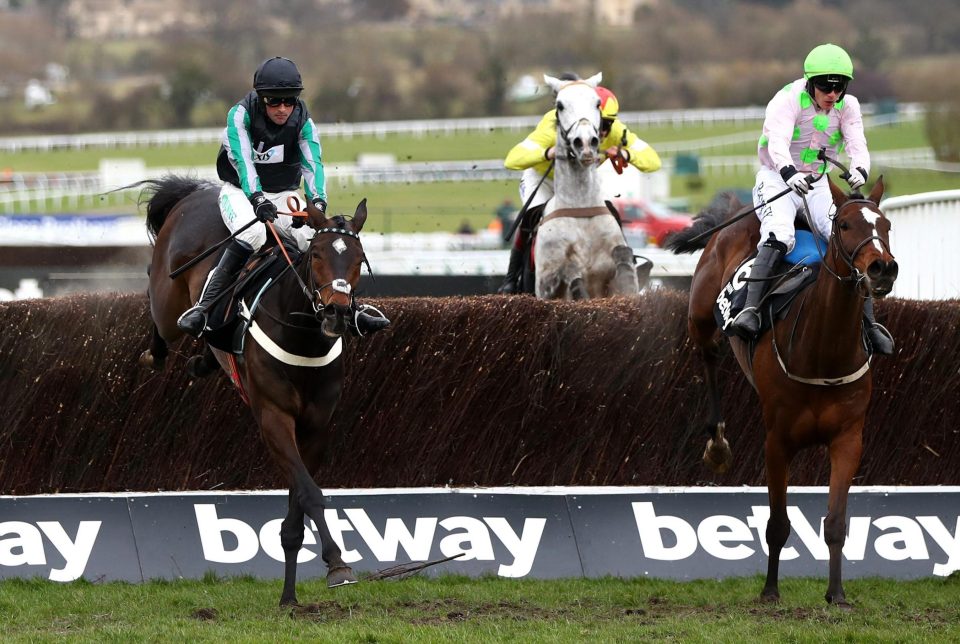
339	285
841	252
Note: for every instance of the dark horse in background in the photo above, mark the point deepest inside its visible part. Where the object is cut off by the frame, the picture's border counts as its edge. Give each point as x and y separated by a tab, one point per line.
818	394
291	367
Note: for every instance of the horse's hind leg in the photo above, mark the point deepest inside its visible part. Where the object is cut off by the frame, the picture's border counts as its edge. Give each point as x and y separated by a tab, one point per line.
717	454
156	356
845	453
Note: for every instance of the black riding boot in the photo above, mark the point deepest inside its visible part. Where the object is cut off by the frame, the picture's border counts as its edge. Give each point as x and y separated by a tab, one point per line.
511	282
878	335
194	320
747	323
367	319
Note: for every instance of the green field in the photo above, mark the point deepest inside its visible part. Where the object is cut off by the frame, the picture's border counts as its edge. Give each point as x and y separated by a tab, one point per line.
445	206
457	609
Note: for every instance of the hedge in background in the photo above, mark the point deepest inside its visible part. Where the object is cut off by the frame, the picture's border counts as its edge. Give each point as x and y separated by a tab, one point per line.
459	391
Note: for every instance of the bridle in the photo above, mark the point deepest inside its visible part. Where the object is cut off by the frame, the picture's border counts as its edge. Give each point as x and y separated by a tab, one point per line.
315	293
564	133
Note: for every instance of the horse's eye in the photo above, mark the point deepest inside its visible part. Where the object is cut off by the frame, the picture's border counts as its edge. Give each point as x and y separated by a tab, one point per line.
559	106
844	225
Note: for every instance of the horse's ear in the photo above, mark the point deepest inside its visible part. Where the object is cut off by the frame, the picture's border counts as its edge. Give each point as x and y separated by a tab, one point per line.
594	80
315	218
554	83
877	193
360	216
839	197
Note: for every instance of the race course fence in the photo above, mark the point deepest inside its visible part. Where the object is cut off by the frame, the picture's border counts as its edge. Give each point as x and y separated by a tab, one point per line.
488	391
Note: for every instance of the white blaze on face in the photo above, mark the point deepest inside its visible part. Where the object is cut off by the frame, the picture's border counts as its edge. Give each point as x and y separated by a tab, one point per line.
340	246
872	218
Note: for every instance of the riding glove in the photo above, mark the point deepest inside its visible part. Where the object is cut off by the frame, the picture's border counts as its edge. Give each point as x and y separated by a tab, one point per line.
320	205
263	208
796	180
858	177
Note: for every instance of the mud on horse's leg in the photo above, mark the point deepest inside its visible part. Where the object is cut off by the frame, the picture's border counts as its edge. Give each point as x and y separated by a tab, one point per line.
845	452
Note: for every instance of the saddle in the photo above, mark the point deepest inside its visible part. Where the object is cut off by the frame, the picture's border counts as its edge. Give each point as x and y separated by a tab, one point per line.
226	326
797	270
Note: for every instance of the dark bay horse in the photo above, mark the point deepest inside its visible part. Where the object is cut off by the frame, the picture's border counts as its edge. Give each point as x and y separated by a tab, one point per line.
291	368
811	371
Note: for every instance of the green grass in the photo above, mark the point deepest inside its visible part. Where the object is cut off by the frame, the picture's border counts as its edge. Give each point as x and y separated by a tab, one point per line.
456	609
446	206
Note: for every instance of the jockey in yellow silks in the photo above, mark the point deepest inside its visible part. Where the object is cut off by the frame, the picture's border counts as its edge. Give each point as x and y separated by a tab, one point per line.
535	153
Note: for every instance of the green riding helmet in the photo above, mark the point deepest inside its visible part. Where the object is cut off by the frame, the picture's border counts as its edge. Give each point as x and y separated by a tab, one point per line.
826	60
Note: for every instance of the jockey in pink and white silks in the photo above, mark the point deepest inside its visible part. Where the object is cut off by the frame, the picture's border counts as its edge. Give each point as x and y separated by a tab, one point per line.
810	113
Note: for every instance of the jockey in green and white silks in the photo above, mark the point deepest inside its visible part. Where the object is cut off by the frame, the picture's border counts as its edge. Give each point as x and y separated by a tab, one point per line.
808	114
270	146
261	156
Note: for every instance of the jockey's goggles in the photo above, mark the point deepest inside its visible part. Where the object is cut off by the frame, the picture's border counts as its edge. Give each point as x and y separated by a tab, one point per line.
827	86
277	101
606	124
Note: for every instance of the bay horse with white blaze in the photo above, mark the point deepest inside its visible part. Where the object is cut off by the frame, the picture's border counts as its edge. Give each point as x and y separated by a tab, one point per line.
291	366
580	251
811	371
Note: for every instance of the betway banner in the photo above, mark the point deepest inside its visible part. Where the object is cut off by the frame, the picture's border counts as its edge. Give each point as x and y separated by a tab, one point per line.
671	533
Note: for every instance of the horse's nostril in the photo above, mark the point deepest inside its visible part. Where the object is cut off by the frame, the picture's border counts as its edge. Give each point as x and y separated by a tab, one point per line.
892	270
876	268
577	143
594	142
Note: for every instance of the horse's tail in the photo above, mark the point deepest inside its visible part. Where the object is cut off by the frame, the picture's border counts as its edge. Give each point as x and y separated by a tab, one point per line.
161	195
689	239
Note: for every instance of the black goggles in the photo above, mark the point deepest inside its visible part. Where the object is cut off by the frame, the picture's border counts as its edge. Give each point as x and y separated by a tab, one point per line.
277	101
827	86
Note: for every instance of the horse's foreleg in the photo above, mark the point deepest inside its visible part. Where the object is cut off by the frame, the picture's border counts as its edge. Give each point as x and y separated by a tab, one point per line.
204	364
625	275
845	453
279	433
291	538
156	356
778	525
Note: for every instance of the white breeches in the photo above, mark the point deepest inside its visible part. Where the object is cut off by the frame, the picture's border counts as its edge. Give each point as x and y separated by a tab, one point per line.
778	217
528	182
237	212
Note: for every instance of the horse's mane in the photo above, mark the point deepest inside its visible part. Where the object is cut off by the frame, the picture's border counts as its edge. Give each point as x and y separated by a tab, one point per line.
722	206
161	195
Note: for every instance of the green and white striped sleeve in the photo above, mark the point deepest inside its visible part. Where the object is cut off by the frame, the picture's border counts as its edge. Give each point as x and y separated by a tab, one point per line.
239	145
311	162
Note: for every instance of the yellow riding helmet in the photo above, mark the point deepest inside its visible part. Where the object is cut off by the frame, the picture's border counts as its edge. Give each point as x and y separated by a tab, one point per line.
609	105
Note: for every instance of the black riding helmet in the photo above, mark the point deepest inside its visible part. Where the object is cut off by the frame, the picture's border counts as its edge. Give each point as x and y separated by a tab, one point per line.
277	77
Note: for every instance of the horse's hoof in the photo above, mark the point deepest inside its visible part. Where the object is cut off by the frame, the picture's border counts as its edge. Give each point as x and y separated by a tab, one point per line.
197	367
288	601
148	361
718	456
340	576
770	596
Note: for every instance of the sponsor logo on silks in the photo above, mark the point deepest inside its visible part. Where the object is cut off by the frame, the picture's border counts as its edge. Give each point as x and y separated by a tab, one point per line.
273	155
894	538
725	299
457	534
22	544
